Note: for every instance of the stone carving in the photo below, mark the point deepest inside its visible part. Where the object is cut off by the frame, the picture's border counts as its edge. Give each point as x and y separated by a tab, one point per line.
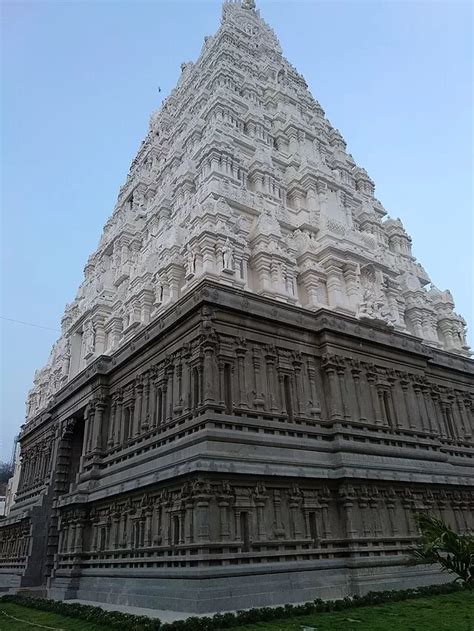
227	257
373	304
229	214
89	337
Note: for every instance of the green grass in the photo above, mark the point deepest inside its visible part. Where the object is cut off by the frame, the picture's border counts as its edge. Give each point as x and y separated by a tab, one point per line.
449	612
44	618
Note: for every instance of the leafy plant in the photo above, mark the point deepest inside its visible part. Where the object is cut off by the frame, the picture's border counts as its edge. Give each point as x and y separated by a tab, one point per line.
441	544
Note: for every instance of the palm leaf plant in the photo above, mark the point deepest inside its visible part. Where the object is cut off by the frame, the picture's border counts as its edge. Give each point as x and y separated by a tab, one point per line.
441	544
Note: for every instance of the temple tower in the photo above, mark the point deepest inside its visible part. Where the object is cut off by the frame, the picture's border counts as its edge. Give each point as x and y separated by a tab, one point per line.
257	385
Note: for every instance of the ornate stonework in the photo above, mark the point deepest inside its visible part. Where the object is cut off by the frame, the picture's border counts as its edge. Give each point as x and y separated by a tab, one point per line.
256	387
242	179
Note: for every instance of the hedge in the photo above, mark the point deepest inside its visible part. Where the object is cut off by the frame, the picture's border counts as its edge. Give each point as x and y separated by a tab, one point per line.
117	620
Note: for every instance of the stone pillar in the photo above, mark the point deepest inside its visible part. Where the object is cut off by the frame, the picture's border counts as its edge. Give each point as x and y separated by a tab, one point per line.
99	347
410	404
241	351
208	257
421	407
438	416
178	404
153	396
366	407
61	536
187	383
351	276
407	504
97	429
258	400
334	285
451	429
202	518
393	525
136	421
348	505
297	364
78	536
293	145
315	406
115	531
188	519
341	373
260	506
325	517
363	504
372	379
375	510
174	277
295	509
401	410
112	421
168	415
89	421
358	399
220	369
145	413
208	368
334	399
271	382
312	201
224	506
462	403
281	391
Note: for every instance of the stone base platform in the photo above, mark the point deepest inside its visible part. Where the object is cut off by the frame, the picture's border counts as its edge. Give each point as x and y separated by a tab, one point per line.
230	590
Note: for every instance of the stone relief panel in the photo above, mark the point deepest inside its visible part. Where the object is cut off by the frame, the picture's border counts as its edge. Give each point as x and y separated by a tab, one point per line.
234	522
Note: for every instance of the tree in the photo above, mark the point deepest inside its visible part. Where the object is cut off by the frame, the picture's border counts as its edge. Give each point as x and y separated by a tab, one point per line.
440	544
6	471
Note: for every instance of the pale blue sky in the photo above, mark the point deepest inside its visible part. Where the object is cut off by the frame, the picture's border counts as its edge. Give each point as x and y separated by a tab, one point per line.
80	80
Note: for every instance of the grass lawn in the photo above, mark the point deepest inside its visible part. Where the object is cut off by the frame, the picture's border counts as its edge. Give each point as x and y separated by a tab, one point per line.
449	612
35	618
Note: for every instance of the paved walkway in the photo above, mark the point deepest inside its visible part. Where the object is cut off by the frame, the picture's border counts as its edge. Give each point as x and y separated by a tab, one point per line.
163	614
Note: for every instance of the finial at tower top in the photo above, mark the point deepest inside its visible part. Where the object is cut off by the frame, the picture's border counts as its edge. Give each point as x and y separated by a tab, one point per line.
248	4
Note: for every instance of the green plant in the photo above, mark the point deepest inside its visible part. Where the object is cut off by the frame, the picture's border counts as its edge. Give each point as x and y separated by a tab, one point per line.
440	544
122	621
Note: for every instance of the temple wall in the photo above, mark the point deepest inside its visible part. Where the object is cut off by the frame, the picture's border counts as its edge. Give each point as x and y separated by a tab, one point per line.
243	438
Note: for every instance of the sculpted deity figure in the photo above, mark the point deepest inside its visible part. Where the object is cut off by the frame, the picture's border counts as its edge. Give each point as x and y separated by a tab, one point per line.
190	263
228	255
66	359
89	337
138	200
460	329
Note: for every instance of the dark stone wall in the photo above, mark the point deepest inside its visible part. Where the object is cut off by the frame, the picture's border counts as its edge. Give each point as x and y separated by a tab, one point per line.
237	432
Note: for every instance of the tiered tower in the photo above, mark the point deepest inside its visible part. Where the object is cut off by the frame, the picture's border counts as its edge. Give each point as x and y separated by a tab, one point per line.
256	376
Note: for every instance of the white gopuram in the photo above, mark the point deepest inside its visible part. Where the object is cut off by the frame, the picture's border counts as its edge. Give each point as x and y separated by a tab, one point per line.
243	180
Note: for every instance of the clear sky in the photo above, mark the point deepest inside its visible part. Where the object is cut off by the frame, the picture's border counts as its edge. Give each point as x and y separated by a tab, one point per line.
80	80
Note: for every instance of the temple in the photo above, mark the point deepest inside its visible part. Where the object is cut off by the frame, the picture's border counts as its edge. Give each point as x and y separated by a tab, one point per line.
257	385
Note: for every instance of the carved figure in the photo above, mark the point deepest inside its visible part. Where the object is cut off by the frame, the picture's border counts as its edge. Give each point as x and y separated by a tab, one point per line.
228	256
89	337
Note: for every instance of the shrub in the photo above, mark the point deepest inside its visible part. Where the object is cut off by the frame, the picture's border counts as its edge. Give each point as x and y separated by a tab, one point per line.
128	622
